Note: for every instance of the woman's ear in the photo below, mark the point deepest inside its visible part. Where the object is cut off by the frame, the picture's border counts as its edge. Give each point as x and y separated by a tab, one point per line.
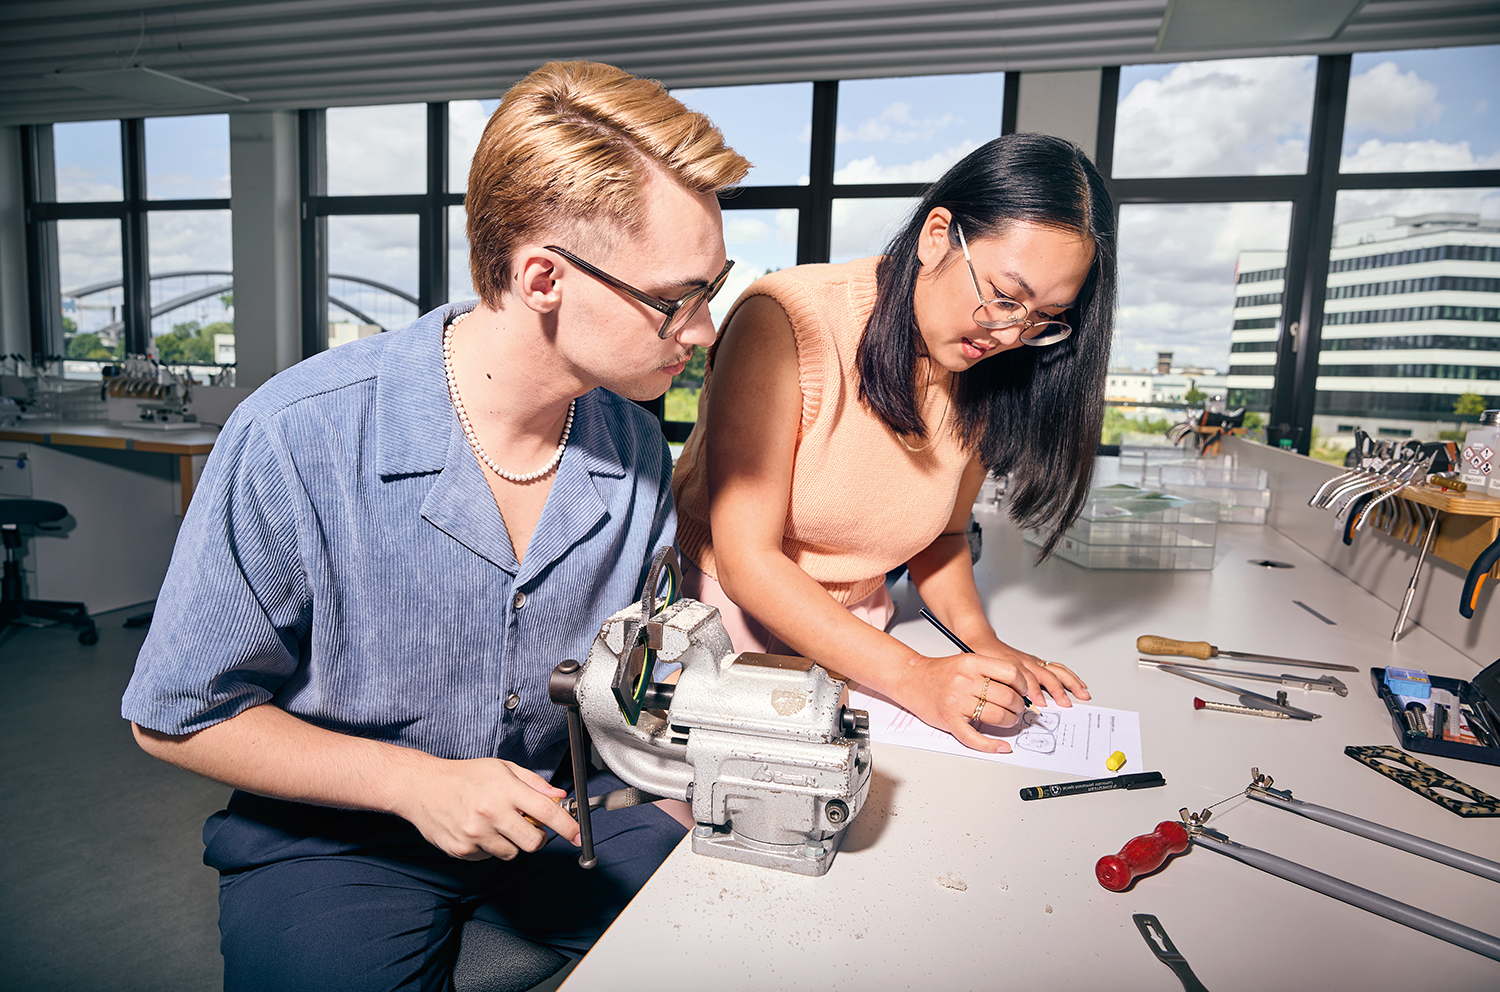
933	242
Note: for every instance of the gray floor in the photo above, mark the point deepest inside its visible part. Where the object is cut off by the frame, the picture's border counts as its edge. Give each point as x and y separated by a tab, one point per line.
102	884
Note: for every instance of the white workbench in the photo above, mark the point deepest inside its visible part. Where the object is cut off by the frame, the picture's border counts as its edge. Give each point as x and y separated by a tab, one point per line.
947	880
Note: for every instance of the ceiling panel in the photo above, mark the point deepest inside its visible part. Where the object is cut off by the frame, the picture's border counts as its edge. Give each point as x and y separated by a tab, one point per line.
310	53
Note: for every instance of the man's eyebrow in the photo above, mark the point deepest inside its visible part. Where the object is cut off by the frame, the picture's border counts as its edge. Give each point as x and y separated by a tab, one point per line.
1031	292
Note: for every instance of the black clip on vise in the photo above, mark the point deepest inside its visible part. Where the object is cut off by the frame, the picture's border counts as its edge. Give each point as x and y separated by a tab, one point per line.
562	688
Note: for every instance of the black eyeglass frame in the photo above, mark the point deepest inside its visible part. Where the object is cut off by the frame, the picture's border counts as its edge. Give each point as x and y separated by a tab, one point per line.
693	300
1061	329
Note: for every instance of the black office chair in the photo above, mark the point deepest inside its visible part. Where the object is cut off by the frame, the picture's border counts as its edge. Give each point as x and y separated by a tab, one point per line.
15	514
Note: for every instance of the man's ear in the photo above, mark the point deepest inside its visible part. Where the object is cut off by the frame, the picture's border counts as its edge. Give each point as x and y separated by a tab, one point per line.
535	282
933	244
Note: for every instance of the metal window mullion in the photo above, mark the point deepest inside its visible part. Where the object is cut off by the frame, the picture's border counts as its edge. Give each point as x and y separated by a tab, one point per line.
1104	141
43	282
815	224
1325	140
432	227
312	154
1010	101
135	260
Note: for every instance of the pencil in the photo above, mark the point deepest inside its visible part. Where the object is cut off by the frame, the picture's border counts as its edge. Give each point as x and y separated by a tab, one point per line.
964	647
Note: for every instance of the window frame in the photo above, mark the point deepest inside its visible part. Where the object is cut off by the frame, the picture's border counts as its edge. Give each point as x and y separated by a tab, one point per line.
1313	195
42	211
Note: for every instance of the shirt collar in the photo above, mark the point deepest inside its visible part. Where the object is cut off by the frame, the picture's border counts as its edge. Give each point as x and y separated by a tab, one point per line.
413	414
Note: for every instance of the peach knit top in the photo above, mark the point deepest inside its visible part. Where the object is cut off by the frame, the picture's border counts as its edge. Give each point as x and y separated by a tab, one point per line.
861	502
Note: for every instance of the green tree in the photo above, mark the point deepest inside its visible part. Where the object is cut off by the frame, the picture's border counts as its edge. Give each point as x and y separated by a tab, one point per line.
1194	395
88	346
189	343
1468	405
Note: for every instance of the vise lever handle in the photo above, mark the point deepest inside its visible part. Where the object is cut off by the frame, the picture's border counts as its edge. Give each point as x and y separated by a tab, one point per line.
562	688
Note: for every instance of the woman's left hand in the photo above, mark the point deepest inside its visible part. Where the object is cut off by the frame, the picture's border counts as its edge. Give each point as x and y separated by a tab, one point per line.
1054	678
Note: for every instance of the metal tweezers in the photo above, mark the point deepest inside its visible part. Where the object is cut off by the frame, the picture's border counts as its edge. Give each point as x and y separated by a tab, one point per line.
1247	698
1327	682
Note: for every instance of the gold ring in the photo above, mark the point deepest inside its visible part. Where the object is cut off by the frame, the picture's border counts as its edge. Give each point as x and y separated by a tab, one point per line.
1045	663
983	694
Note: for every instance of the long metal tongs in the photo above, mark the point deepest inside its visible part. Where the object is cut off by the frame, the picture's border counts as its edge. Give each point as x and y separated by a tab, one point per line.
1260	789
1254	700
1201	835
1327	683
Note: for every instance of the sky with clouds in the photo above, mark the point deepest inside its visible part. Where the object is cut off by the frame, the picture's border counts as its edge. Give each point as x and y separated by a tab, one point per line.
1406	111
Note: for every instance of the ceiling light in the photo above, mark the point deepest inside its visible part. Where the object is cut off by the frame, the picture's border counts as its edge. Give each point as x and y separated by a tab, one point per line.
138	84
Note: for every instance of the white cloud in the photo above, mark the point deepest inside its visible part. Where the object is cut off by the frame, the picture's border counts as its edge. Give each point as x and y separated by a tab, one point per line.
1231	117
1376	155
1177	284
745	230
374	150
466	121
869	169
1388	101
895	124
1362	204
76	184
863	227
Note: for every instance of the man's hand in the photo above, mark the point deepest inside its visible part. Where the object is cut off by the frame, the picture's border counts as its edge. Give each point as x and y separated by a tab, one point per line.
483	808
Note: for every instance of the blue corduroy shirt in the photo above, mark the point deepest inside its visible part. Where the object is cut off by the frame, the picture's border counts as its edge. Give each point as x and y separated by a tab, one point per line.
344	559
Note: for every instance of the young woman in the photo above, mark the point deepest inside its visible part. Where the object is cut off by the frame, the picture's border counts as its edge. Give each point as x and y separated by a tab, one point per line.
852	411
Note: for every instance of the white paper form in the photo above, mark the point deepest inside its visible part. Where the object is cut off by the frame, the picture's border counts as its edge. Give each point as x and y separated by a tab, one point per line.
1074	741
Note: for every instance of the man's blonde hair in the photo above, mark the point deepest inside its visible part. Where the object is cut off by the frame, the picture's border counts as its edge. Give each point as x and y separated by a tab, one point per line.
577	143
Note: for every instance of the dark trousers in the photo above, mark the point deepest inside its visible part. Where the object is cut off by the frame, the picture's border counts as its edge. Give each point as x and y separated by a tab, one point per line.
348	901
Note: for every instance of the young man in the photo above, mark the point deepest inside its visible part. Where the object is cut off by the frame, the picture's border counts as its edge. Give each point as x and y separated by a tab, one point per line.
395	542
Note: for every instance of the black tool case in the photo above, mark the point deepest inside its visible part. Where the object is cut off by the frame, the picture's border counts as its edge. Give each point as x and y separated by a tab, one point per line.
1484	686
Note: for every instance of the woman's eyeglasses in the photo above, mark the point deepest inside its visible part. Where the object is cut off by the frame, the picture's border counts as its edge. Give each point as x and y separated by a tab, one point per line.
1003	312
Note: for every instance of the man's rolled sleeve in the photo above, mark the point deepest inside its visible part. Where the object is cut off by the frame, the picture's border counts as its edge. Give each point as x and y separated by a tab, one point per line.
235	609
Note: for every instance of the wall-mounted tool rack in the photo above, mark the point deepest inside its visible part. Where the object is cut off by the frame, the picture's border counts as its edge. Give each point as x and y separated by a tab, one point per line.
1470	523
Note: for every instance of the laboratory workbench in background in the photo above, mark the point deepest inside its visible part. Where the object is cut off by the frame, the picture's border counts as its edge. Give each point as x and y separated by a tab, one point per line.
948	880
125	488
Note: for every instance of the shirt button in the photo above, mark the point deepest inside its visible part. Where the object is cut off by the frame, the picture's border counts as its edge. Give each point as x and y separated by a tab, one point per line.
520	600
512	701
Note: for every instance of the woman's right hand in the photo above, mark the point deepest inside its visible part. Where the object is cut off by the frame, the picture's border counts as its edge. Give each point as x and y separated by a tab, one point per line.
946	693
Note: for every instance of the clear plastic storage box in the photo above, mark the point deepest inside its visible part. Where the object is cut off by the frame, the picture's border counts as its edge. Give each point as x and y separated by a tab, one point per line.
1130	527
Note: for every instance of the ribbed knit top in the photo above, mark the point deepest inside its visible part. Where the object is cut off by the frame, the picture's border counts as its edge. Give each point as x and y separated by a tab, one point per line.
862	502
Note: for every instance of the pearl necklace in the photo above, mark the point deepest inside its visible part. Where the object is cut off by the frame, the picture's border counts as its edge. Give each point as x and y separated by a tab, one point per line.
463	417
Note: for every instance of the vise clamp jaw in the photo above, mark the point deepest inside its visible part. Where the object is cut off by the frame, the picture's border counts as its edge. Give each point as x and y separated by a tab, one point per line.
763	747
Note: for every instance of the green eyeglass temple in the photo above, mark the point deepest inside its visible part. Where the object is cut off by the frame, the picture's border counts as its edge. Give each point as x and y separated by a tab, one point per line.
686	307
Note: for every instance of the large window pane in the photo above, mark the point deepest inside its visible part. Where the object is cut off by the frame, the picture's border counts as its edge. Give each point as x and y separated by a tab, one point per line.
187	158
374	150
372	275
1235	117
192	286
911	129
1199	303
1425	110
1411	326
771	125
759	241
87	157
89	267
466	121
863	227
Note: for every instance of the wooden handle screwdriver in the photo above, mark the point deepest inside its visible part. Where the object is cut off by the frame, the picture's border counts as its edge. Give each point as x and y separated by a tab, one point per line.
1151	644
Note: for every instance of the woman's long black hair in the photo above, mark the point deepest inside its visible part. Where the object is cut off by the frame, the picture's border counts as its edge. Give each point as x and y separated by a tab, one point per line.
1033	412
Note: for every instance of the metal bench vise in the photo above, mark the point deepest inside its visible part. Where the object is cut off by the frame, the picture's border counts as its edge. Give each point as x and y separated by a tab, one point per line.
773	763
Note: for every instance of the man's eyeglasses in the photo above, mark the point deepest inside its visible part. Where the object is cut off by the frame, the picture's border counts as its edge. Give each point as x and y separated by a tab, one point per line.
678	312
1003	312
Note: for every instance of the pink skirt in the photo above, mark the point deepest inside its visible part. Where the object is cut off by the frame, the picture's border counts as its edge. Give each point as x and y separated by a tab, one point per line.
748	633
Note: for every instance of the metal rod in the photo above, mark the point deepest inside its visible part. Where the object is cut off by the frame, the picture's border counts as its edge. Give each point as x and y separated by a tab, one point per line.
1382	834
1411	587
1370	902
586	858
